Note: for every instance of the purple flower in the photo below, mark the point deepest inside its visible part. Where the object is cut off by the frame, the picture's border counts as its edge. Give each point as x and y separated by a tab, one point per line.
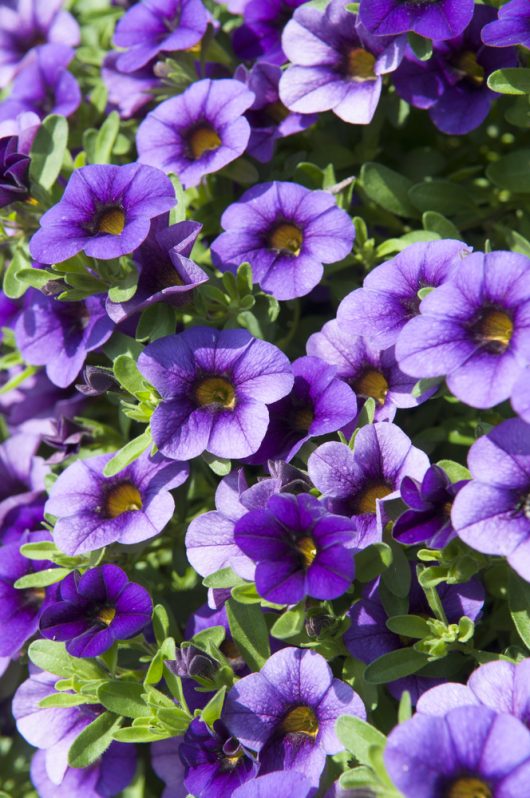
492	512
430	503
166	272
92	611
107	777
512	26
21	486
28	24
260	36
33	406
286	232
14	166
127	91
281	784
105	212
473	329
389	296
94	511
300	549
59	335
336	64
471	751
287	712
215	388
434	19
157	27
24	127
356	483
198	132
453	83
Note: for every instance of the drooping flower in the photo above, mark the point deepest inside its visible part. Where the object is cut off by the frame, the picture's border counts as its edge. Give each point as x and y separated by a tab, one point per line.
260	35
512	26
287	712
21	486
127	91
357	483
300	549
434	19
59	335
286	232
473	329
198	132
215	388
155	28
14	167
336	64
94	511
105	212
92	611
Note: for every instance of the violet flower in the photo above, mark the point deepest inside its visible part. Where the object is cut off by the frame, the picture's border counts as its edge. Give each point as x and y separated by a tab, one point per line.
434	19
512	26
14	168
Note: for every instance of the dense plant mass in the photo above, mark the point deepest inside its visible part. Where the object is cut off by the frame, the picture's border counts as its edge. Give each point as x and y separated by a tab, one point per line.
265	399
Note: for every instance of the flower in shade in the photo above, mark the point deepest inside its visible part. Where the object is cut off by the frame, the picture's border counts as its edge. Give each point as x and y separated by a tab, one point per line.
429	515
215	388
371	372
470	751
23	127
473	329
452	84
198	132
108	777
287	712
155	28
389	296
27	24
281	784
286	232
166	272
14	166
260	35
300	549
434	19
59	335
105	212
94	511
34	405
127	91
512	26
336	64
492	512
21	486
356	483
93	611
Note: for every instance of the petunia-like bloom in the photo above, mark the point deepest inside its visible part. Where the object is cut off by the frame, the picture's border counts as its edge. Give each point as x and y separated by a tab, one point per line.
25	25
470	751
280	784
21	486
24	128
512	26
319	403
371	372
300	549
389	296
198	132
287	712
36	403
215	388
452	84
127	91
155	28
356	483
105	212
91	612
59	335
336	64
474	329
260	35
429	515
166	272
14	167
492	512
286	232
94	511
106	778
434	19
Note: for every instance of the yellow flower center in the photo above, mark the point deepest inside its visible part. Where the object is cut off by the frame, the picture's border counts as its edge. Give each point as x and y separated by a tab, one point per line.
216	391
496	328
300	720
366	501
360	65
286	238
123	498
111	221
308	550
203	139
106	615
469	788
372	383
468	64
303	418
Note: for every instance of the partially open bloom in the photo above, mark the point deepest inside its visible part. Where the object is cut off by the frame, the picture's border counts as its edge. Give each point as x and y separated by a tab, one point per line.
21	486
434	19
14	167
512	26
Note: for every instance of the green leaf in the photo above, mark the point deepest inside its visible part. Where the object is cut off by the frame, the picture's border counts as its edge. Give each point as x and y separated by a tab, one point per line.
51	657
420	46
246	593
126	287
358	737
156	322
212	710
222	579
213	636
123	698
409	626
65	700
455	471
372	561
512	172
126	372
219	465
512	80
441	196
139	734
397	576
93	741
289	624
437	223
160	623
388	189
395	665
519	603
49	576
48	150
241	171
14	287
106	138
36	278
127	454
250	632
44	550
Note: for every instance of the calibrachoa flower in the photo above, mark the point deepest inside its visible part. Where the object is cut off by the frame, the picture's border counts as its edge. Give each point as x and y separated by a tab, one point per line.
287	712
286	232
356	483
128	91
198	132
94	511
474	329
260	36
14	166
92	611
300	549
336	64
434	19
34	406
281	784
59	335
108	777
21	486
215	388
491	513
105	212
470	751
512	26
